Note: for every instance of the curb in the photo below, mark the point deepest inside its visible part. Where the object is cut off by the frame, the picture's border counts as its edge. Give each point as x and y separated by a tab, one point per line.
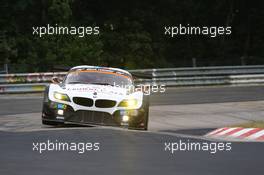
247	134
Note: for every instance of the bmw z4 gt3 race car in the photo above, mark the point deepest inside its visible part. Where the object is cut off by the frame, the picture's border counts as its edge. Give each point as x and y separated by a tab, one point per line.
95	96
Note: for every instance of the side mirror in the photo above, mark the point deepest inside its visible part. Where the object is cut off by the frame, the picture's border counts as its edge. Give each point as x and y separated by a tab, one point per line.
56	80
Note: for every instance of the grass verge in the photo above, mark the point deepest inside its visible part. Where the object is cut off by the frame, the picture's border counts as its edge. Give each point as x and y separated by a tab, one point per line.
253	124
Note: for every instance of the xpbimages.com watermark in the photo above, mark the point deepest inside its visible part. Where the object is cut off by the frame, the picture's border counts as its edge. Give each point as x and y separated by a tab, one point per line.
211	147
211	31
78	147
80	31
146	89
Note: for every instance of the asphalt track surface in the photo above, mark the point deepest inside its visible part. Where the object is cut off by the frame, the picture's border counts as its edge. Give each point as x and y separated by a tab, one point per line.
124	151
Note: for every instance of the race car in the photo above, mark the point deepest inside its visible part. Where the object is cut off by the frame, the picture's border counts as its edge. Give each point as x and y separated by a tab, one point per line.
91	95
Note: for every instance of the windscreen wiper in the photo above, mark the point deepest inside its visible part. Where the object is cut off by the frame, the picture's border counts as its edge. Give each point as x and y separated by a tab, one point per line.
107	84
76	82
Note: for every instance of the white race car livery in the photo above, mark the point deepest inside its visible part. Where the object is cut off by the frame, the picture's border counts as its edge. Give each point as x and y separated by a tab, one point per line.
94	95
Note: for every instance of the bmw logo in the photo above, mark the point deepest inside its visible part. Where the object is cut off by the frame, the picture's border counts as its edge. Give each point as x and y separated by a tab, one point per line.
94	94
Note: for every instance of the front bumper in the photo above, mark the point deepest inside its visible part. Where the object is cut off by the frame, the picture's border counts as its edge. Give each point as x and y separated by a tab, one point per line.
62	113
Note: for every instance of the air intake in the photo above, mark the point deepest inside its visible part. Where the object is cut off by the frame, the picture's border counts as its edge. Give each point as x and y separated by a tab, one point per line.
105	103
83	101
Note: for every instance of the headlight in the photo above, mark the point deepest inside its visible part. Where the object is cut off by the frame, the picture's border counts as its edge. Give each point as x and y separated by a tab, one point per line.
60	96
125	118
128	103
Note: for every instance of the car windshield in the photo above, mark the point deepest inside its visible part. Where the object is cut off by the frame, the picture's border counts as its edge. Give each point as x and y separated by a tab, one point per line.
97	77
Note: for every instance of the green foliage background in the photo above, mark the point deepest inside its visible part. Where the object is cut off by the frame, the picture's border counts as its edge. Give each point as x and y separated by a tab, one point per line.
131	33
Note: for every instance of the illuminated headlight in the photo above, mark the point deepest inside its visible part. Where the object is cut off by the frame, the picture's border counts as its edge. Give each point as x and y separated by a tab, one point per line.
125	118
128	103
60	96
60	112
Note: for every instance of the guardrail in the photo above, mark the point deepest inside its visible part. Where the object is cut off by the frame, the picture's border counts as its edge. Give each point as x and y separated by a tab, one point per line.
22	88
29	78
200	76
4	70
203	71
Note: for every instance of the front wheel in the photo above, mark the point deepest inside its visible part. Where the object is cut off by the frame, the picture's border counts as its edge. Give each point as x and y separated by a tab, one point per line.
141	121
146	116
51	123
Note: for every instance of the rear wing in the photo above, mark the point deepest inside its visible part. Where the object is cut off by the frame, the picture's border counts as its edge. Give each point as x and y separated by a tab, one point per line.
135	75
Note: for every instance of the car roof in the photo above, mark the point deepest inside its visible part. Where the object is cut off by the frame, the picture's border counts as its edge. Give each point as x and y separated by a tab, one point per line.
100	67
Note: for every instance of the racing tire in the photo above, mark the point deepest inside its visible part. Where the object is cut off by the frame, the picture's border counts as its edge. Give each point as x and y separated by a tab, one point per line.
51	123
143	118
146	109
